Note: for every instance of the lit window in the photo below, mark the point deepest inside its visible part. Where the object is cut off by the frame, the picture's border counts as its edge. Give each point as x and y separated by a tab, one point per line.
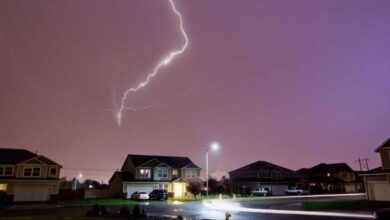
144	173
53	172
36	171
6	171
3	187
174	172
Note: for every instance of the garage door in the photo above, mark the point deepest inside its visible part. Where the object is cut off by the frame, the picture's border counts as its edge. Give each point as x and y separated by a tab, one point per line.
31	193
138	188
381	190
277	190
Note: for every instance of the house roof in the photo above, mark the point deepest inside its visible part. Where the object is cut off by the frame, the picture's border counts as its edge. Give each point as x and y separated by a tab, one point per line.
124	176
383	145
14	156
172	161
377	170
326	168
266	180
258	165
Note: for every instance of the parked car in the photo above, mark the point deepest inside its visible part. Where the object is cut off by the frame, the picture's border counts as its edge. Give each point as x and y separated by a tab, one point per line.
159	194
261	192
382	214
295	191
139	196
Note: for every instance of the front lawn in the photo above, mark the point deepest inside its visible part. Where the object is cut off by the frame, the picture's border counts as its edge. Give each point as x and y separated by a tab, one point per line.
105	202
349	205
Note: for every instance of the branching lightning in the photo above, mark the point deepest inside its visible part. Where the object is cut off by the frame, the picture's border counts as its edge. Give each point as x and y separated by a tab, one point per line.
164	62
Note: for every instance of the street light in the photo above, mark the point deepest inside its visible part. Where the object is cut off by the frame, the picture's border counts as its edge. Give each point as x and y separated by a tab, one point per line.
76	179
213	147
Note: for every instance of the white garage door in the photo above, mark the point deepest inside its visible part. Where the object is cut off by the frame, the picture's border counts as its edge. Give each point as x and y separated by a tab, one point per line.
381	190
31	193
138	188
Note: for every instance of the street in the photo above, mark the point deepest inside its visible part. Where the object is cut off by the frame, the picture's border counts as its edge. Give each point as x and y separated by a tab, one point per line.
261	208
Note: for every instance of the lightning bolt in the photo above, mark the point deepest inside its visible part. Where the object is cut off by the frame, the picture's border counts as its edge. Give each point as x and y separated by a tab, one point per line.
164	62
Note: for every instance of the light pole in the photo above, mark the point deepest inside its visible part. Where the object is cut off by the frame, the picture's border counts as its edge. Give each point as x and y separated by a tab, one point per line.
213	147
76	179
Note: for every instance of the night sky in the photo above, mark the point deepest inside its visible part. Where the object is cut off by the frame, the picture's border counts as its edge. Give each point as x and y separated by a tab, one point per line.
295	83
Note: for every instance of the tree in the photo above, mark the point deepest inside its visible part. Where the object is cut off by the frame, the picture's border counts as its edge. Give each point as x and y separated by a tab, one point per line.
226	185
214	186
195	187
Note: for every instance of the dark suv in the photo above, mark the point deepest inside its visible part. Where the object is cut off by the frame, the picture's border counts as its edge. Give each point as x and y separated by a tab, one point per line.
158	194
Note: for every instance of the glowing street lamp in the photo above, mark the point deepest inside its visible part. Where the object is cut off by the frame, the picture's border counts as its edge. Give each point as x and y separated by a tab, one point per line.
213	147
76	179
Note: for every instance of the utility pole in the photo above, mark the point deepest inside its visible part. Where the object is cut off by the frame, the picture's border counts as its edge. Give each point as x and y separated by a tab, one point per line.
366	160
360	164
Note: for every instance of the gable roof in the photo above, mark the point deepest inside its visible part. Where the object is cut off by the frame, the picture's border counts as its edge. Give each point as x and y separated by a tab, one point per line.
383	145
259	165
328	168
123	176
15	156
172	161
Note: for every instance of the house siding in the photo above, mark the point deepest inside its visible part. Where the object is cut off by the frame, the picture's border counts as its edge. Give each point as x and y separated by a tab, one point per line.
385	158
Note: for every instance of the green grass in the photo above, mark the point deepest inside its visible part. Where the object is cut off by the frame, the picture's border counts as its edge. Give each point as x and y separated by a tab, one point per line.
91	202
348	205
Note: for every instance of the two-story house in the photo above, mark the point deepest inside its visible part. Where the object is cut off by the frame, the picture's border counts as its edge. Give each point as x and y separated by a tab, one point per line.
336	177
262	174
144	173
26	176
377	181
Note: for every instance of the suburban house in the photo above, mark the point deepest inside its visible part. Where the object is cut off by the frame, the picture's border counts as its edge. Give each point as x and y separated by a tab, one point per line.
336	177
144	173
377	181
262	174
26	176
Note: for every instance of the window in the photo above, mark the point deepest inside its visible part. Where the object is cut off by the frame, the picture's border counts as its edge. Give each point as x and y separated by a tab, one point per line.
3	187
191	174
265	174
6	171
144	173
35	171
162	173
276	175
174	172
53	172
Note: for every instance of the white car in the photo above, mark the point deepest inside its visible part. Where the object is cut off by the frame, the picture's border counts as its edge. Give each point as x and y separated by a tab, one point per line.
140	196
261	192
296	191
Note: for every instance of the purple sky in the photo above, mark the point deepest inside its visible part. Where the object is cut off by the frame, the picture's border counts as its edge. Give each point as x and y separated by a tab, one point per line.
294	83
